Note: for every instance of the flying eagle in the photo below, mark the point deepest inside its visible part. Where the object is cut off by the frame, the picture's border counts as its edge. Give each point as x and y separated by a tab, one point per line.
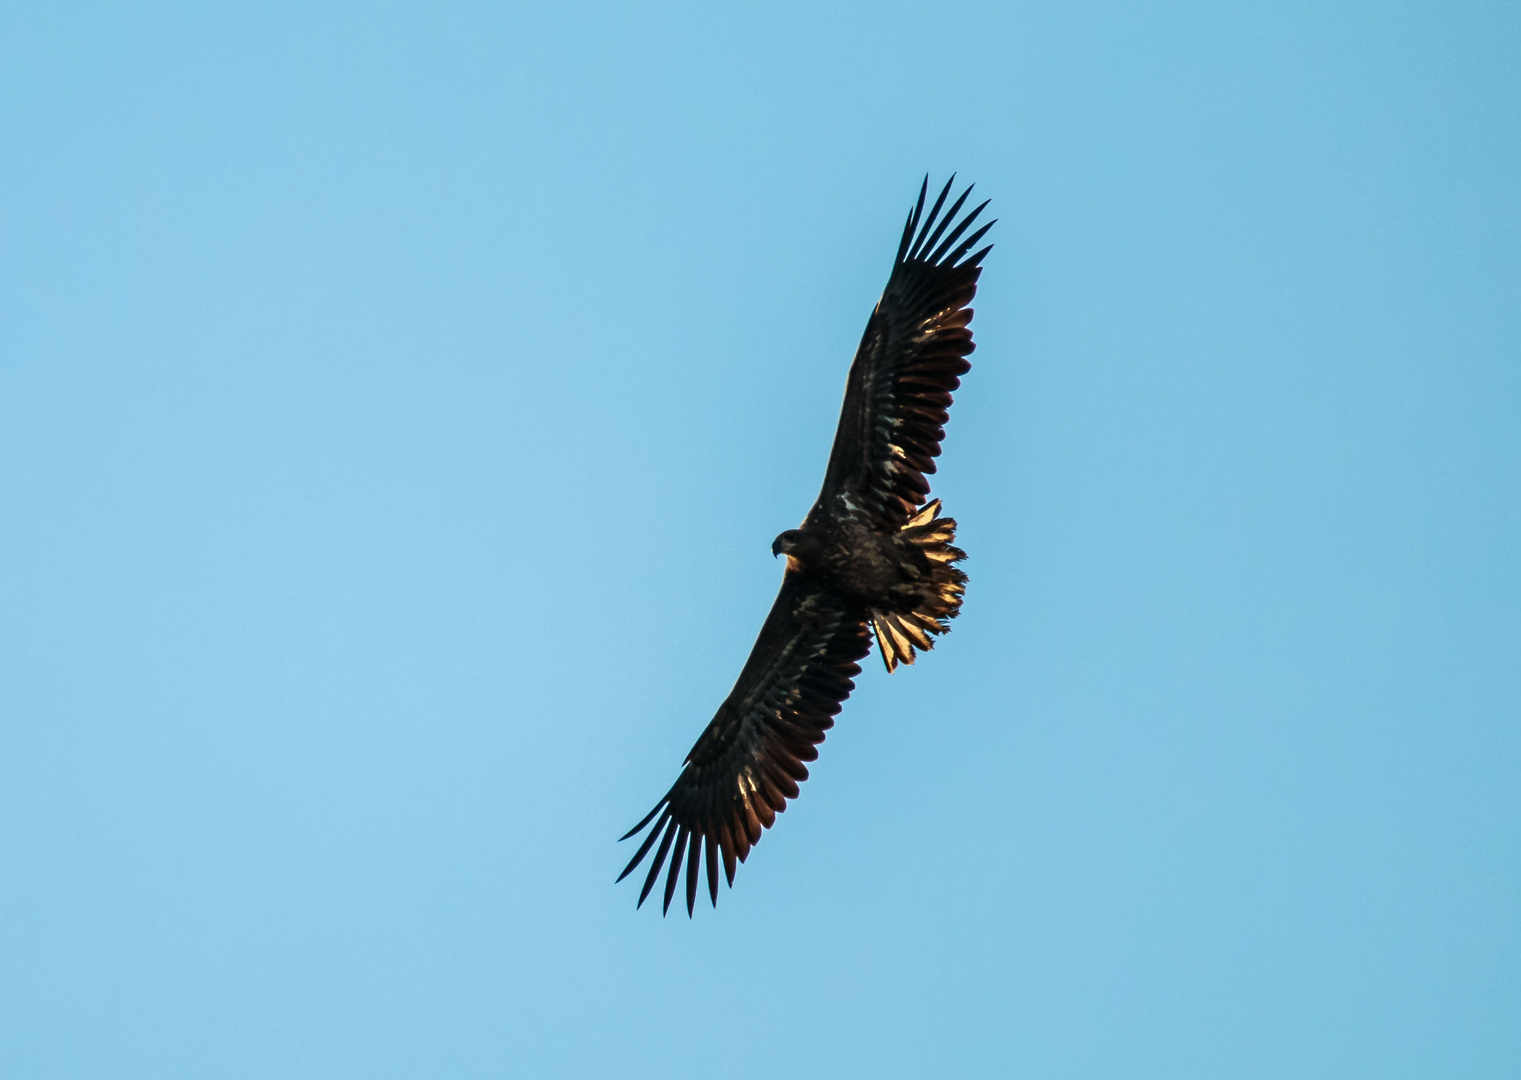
871	553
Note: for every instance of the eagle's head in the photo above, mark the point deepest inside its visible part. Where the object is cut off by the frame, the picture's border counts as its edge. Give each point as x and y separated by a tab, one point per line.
791	544
787	542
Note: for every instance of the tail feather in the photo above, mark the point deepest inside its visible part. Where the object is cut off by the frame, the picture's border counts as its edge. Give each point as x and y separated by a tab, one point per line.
914	630
898	633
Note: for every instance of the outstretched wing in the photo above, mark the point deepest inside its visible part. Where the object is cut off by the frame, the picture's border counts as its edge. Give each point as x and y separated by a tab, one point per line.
749	760
909	361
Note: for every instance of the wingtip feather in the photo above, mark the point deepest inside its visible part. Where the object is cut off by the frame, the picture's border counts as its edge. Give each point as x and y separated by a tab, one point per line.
643	849
913	219
647	818
930	220
946	219
659	861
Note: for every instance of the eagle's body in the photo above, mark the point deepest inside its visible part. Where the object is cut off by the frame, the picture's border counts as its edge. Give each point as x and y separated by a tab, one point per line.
851	559
871	555
903	580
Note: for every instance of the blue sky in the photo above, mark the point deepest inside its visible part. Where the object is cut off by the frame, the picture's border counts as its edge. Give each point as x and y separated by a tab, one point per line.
397	404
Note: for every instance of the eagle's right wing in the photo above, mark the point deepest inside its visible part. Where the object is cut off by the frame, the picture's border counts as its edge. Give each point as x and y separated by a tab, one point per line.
749	760
910	359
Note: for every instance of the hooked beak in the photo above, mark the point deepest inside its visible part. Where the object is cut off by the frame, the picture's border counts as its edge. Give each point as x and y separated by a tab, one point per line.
785	544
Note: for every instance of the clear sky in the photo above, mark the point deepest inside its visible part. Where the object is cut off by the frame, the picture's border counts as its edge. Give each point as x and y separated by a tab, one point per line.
397	405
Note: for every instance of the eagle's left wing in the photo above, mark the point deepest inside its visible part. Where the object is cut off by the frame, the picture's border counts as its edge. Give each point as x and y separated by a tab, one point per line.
749	760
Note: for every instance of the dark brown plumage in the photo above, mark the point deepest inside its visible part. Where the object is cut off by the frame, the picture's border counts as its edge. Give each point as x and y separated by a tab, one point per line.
871	553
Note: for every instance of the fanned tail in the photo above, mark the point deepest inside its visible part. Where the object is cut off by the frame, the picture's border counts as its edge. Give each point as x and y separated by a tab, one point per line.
898	634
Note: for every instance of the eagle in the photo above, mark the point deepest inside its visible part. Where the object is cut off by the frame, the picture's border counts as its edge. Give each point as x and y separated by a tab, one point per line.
873	556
